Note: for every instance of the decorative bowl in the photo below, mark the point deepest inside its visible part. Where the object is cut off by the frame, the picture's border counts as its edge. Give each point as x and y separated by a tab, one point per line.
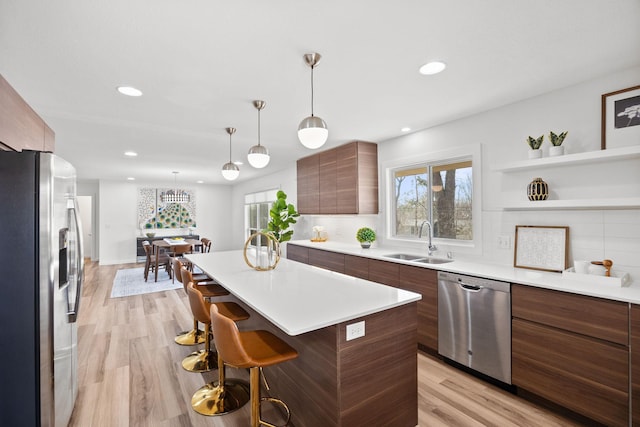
151	234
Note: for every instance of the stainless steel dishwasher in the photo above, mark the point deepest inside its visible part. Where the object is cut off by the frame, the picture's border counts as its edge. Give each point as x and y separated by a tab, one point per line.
474	323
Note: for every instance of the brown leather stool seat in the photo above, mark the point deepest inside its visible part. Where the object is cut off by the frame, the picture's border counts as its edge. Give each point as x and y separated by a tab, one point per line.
209	289
253	350
225	395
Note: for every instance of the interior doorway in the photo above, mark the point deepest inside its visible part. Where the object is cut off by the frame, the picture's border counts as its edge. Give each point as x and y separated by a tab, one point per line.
85	206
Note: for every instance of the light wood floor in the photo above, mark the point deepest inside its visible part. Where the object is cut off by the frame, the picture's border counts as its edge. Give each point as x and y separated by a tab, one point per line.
130	372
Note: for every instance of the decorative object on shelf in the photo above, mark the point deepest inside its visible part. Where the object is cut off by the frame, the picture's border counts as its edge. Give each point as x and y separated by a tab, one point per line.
151	235
541	247
621	118
365	236
282	215
537	190
175	195
556	143
318	234
267	251
606	264
312	131
534	144
258	154
230	170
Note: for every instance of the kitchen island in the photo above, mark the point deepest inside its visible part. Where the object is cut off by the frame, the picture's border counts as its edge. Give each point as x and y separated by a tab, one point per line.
364	381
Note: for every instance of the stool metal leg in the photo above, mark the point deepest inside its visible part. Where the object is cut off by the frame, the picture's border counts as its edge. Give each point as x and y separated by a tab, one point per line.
221	397
192	337
203	360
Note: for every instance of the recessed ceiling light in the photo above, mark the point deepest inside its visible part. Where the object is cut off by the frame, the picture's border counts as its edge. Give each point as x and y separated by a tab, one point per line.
129	91
130	153
200	182
238	163
433	67
405	129
131	178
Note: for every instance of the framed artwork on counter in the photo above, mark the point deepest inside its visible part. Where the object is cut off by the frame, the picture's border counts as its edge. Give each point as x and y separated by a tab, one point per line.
621	118
541	247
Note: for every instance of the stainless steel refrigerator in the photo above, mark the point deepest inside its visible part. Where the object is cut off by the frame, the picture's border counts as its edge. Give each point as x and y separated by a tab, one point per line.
41	275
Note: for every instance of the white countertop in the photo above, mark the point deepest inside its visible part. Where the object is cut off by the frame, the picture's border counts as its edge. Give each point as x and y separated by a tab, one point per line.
488	270
299	298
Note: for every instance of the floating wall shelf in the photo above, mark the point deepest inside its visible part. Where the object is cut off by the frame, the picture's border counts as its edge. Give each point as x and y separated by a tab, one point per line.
575	204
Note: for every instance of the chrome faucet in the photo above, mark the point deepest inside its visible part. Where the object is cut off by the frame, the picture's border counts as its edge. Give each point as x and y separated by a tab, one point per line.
431	246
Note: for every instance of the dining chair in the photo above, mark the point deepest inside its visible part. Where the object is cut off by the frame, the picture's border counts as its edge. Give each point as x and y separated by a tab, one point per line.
206	245
178	252
150	262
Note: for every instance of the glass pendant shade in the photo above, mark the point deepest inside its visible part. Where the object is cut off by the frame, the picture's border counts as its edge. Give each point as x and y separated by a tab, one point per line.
258	156
230	171
313	132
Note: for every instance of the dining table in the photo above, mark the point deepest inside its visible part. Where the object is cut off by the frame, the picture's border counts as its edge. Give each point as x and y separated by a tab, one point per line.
166	244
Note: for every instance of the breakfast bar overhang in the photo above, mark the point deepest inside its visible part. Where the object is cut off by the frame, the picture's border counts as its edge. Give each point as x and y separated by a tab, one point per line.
365	381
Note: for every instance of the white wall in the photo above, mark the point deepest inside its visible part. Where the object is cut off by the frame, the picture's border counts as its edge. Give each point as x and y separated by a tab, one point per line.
119	228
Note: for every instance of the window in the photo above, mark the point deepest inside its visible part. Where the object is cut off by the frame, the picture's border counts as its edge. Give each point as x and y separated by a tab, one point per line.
256	210
439	192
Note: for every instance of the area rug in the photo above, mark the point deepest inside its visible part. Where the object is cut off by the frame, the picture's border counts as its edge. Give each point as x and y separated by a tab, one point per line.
130	281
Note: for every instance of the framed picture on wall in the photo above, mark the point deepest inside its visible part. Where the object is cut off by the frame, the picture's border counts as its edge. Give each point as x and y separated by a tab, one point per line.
621	118
541	247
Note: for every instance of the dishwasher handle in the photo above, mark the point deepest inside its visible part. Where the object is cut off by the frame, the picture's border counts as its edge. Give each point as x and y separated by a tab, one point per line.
470	288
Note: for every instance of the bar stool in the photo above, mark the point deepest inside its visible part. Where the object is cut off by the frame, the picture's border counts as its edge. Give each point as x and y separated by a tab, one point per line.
253	350
226	395
208	288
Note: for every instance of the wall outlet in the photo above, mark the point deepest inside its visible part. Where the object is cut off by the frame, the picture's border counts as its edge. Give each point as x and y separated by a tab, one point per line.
355	330
504	242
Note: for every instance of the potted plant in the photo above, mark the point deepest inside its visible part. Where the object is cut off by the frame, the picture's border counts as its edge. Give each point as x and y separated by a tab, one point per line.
282	215
556	141
365	236
534	144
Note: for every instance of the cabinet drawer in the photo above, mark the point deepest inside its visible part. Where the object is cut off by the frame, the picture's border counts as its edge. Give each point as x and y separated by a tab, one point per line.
356	266
595	317
325	259
298	253
384	272
586	375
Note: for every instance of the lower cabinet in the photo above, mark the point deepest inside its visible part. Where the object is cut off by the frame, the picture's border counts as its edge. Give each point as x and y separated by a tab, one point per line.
635	363
425	282
572	350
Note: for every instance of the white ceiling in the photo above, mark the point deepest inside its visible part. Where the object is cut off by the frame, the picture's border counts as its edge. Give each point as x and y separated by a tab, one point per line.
201	63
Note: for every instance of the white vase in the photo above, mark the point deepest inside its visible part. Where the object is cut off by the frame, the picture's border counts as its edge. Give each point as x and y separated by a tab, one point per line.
535	154
556	150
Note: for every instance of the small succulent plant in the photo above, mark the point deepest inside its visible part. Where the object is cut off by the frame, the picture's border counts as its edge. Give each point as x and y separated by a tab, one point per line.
535	143
556	140
365	234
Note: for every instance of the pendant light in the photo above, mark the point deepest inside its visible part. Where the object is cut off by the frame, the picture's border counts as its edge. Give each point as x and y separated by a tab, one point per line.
312	131
230	171
258	155
175	195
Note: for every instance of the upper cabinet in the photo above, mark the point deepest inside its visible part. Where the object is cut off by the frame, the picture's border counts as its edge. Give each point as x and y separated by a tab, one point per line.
20	127
342	180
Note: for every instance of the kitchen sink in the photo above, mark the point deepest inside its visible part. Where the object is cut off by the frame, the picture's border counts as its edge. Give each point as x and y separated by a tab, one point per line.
433	260
405	257
418	258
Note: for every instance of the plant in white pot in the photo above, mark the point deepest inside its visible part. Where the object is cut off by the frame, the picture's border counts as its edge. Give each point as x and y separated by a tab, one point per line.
365	236
534	144
556	143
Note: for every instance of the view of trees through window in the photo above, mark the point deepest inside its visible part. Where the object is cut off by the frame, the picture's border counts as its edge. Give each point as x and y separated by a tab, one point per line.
441	194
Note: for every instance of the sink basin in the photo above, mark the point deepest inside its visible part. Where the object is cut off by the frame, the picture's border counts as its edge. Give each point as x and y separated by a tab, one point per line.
432	260
405	257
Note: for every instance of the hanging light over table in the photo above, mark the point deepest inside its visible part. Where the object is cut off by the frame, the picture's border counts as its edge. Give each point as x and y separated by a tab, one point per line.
175	195
258	154
312	132
230	170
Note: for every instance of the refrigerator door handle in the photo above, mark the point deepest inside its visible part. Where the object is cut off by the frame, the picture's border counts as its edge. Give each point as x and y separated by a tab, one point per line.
79	259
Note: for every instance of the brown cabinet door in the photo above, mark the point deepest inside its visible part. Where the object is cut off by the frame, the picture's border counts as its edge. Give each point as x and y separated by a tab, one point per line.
594	317
586	375
356	266
308	169
424	282
635	363
20	127
384	272
367	178
49	139
328	161
298	253
347	179
325	259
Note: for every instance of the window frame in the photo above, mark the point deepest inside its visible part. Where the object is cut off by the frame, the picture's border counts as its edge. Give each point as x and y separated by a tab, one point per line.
465	153
260	197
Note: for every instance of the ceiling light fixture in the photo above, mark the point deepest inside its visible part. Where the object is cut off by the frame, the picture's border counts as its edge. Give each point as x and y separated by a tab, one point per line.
405	129
175	196
130	178
312	131
130	153
433	67
258	155
230	171
129	91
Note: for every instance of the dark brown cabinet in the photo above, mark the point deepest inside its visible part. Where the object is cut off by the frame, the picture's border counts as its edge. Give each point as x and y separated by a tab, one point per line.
341	180
425	282
20	127
572	350
635	362
333	261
